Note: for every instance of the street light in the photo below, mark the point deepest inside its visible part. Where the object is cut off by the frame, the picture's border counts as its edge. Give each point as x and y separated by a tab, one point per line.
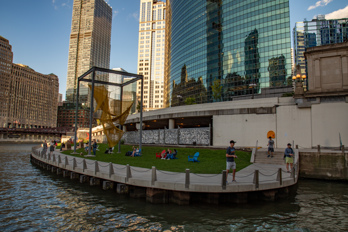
180	99
252	85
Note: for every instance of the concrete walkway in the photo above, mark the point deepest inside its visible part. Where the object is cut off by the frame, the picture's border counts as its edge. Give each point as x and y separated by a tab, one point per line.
247	179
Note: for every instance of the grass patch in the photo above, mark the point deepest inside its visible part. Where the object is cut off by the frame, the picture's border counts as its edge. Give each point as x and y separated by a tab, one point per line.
212	161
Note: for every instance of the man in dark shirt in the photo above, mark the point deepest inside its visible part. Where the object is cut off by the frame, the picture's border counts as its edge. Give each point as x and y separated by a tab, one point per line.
270	147
230	155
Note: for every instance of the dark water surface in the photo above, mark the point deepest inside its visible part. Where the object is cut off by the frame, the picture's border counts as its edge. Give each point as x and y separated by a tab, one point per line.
32	199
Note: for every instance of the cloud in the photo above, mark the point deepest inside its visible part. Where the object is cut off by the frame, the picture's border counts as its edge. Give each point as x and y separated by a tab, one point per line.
319	3
338	14
116	12
134	15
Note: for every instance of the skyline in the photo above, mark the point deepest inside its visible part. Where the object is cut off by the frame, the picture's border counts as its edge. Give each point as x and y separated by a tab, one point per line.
39	31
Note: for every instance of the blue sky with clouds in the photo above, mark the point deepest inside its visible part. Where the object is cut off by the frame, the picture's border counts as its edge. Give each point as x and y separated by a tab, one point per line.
39	30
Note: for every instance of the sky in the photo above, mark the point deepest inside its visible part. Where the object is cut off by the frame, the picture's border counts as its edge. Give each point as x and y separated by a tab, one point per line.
39	30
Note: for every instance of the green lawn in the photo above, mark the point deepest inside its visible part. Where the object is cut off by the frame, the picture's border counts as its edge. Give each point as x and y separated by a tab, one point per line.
212	161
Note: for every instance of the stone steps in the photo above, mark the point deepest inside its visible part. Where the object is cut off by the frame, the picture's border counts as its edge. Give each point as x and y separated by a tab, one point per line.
278	158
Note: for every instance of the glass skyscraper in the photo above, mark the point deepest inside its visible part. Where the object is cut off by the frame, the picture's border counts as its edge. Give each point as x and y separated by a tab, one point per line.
319	31
218	50
90	44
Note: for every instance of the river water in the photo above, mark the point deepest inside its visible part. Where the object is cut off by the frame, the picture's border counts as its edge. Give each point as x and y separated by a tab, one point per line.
32	199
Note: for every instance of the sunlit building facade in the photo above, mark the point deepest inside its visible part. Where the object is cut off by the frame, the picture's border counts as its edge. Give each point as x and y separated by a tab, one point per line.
6	58
33	99
318	32
151	53
221	50
90	44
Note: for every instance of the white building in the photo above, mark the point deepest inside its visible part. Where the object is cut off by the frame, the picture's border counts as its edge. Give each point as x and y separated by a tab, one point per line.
151	51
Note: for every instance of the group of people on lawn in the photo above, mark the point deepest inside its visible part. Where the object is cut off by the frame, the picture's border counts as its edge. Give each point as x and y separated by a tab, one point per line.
231	164
168	154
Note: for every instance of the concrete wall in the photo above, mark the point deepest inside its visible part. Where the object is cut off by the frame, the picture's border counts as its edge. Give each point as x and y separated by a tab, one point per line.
331	166
245	129
293	124
308	127
328	120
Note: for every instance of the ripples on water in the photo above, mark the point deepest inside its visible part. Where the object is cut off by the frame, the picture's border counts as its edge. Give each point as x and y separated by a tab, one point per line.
35	200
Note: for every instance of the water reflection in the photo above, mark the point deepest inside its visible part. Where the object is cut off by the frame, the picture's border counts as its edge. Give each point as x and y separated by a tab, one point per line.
32	199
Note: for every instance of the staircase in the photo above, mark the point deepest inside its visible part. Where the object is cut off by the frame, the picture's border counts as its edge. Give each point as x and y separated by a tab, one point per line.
261	157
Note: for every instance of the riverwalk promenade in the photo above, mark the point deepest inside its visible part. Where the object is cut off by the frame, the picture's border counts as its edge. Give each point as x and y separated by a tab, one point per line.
267	179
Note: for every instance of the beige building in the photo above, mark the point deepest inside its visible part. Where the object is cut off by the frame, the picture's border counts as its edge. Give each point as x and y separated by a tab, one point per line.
90	44
33	98
151	52
6	57
328	70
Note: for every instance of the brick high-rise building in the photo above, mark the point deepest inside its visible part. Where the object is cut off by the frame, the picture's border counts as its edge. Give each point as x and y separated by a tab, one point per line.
151	52
6	57
90	44
33	98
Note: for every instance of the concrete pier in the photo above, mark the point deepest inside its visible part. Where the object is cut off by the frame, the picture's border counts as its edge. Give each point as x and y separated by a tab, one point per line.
161	187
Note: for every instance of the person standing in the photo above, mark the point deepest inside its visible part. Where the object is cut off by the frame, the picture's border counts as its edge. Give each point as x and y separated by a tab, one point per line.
51	147
270	147
230	163
289	157
44	147
94	145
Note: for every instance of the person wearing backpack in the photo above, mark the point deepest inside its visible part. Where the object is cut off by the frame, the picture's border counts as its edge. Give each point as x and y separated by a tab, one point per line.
289	157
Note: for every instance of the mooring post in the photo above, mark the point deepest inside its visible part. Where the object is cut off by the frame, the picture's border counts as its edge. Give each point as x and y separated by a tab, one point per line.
153	176
224	179
256	178
54	158
279	176
59	160
111	169
187	178
342	149
318	148
128	173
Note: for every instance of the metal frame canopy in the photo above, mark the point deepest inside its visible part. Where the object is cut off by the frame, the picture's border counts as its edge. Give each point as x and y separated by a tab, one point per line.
94	81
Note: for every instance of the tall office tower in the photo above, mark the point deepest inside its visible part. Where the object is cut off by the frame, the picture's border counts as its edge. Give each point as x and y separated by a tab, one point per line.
228	49
89	44
151	55
6	57
319	31
33	98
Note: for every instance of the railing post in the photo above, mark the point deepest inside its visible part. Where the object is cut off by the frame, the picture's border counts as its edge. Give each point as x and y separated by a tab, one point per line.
153	176
223	179
256	178
74	163
111	169
318	148
66	162
84	165
59	160
187	178
342	149
96	169
54	158
128	173
280	177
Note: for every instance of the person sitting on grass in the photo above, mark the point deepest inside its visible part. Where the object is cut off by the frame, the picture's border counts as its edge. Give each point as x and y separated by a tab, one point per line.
164	154
135	150
171	155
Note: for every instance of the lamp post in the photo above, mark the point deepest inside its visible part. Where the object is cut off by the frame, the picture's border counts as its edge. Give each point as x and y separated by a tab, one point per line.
252	86
298	80
180	99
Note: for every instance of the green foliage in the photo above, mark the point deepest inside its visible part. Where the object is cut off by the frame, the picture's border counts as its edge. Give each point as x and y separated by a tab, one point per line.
212	161
216	88
190	101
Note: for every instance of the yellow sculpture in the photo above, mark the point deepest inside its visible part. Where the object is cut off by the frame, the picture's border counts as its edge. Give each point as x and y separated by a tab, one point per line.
112	111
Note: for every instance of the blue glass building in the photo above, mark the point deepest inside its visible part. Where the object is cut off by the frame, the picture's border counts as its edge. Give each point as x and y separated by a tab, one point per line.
221	49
